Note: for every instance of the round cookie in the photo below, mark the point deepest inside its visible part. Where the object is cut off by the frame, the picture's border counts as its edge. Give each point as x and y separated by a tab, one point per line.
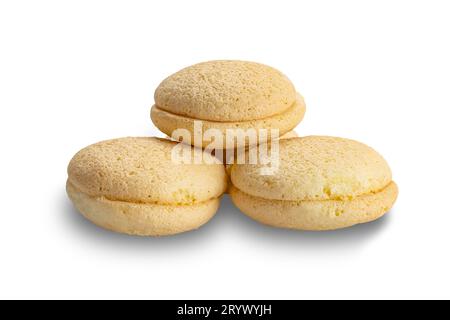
322	183
227	95
132	186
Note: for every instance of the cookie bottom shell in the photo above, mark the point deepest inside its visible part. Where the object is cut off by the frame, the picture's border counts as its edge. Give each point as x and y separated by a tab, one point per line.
286	121
141	218
316	215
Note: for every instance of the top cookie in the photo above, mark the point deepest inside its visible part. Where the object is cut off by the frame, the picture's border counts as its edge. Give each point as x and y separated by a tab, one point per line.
317	168
141	170
226	91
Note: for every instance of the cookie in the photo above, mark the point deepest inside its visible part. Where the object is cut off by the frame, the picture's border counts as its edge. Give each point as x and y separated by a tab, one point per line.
322	183
133	186
227	95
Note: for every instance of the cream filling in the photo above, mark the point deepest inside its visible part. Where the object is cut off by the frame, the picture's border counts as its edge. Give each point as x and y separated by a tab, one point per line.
71	186
387	189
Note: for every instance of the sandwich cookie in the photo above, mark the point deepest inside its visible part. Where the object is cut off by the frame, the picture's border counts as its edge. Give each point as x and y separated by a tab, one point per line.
133	186
322	183
227	95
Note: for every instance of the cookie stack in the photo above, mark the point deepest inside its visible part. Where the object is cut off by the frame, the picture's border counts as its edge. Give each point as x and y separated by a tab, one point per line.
138	186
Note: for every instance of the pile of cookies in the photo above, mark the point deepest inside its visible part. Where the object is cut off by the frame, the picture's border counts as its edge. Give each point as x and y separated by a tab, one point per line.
135	186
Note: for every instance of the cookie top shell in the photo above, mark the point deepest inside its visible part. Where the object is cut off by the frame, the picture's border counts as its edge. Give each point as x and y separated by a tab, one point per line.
226	90
316	168
142	170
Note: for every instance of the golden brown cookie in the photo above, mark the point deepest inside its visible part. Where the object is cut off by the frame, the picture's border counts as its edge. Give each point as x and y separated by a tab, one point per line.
133	186
227	95
322	183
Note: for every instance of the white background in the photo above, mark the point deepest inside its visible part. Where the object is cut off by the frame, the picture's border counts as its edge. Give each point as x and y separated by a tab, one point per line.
76	72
